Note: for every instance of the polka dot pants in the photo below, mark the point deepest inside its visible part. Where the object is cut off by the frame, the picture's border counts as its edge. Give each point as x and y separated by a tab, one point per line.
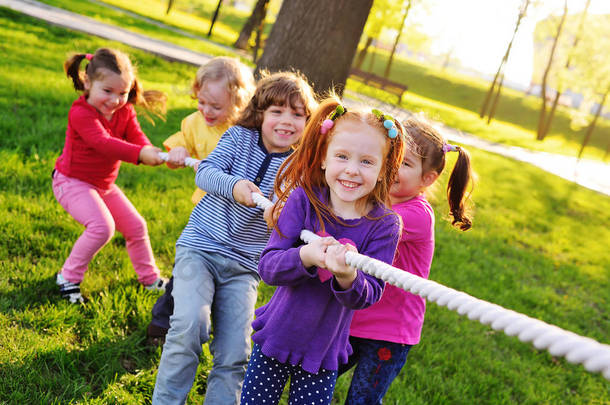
266	377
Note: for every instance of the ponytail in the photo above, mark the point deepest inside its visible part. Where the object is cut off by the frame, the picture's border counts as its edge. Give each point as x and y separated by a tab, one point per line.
456	190
72	69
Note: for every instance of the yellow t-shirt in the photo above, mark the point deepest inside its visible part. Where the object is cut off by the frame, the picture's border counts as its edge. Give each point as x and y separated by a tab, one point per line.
198	138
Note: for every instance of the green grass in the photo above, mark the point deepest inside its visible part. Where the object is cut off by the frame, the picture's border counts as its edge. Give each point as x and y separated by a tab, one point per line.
539	246
443	95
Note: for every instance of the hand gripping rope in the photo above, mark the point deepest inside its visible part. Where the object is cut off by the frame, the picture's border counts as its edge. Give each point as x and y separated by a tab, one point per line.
594	356
189	161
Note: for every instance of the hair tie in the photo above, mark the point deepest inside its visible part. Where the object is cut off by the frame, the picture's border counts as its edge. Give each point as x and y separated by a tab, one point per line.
328	123
88	56
388	122
447	147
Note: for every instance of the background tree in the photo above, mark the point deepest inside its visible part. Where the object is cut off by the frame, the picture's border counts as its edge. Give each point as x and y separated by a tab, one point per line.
543	85
214	17
255	21
405	14
591	68
317	37
559	88
382	14
170	4
496	84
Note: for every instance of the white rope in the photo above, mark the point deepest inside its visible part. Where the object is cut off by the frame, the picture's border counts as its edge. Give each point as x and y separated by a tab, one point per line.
189	161
594	356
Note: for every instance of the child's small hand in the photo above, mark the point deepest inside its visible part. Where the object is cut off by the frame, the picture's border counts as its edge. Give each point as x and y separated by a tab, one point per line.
271	215
242	192
314	253
176	156
149	155
335	263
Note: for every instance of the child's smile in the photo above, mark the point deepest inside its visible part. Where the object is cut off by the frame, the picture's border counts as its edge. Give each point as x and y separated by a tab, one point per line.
353	161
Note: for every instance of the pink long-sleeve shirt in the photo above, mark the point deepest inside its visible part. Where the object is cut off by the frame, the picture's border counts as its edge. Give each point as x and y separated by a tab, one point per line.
95	147
399	316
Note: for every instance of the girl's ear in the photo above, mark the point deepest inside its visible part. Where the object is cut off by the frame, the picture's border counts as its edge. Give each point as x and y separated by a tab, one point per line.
87	83
429	178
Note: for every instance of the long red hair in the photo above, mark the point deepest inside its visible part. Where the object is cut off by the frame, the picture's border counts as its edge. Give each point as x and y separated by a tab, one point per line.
304	167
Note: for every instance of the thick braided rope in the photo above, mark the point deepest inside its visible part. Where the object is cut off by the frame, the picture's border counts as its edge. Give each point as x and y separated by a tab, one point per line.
594	356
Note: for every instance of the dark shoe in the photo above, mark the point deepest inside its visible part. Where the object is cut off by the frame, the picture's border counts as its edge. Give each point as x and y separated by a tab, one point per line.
155	335
70	291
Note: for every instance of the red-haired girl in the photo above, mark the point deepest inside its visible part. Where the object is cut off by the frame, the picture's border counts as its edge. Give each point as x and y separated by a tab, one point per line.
336	184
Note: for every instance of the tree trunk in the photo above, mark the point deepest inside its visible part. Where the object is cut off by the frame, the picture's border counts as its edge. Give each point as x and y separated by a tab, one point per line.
170	3
549	121
214	17
372	60
362	53
591	126
259	12
491	90
386	74
317	37
494	105
542	120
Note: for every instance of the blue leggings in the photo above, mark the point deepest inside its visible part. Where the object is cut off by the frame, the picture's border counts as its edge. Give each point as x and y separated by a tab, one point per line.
377	364
266	377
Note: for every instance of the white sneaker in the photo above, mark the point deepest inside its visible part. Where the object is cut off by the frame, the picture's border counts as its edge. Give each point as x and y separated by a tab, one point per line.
158	285
69	291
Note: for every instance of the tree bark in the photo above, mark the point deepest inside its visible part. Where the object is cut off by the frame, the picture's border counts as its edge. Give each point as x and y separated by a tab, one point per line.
386	73
542	119
549	121
591	126
259	12
492	87
317	37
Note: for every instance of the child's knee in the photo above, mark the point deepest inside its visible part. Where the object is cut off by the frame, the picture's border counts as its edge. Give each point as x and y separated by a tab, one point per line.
137	228
101	231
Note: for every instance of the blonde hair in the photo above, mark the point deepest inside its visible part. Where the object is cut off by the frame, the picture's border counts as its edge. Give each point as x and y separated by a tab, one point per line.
238	78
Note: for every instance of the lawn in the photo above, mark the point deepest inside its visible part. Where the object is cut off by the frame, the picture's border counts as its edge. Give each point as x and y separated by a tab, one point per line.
443	95
539	246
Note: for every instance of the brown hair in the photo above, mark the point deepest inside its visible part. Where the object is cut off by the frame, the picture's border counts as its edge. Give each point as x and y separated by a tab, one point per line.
304	167
279	89
429	147
237	76
118	62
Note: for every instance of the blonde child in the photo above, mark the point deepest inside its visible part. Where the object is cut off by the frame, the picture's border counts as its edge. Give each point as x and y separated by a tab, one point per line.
383	334
222	88
217	254
336	184
103	130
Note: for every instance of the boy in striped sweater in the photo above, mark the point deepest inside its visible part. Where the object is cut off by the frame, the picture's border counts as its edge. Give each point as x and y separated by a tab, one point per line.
215	271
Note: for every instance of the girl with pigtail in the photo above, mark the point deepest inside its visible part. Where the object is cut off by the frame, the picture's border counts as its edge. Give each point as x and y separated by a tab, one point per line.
335	184
383	334
103	130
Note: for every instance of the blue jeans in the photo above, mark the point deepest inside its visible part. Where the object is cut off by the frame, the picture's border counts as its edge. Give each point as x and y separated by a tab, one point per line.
207	287
377	364
266	377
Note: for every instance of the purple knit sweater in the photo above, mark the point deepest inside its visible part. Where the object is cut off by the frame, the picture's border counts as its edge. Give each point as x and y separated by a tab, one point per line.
307	320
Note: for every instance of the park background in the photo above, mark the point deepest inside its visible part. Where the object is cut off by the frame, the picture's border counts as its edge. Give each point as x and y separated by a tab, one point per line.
539	245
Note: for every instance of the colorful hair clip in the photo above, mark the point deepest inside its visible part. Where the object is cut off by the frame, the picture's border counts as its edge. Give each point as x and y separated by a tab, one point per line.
89	56
388	122
447	147
328	123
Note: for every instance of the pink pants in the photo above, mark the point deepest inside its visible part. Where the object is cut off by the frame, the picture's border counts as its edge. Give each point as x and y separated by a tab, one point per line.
100	211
